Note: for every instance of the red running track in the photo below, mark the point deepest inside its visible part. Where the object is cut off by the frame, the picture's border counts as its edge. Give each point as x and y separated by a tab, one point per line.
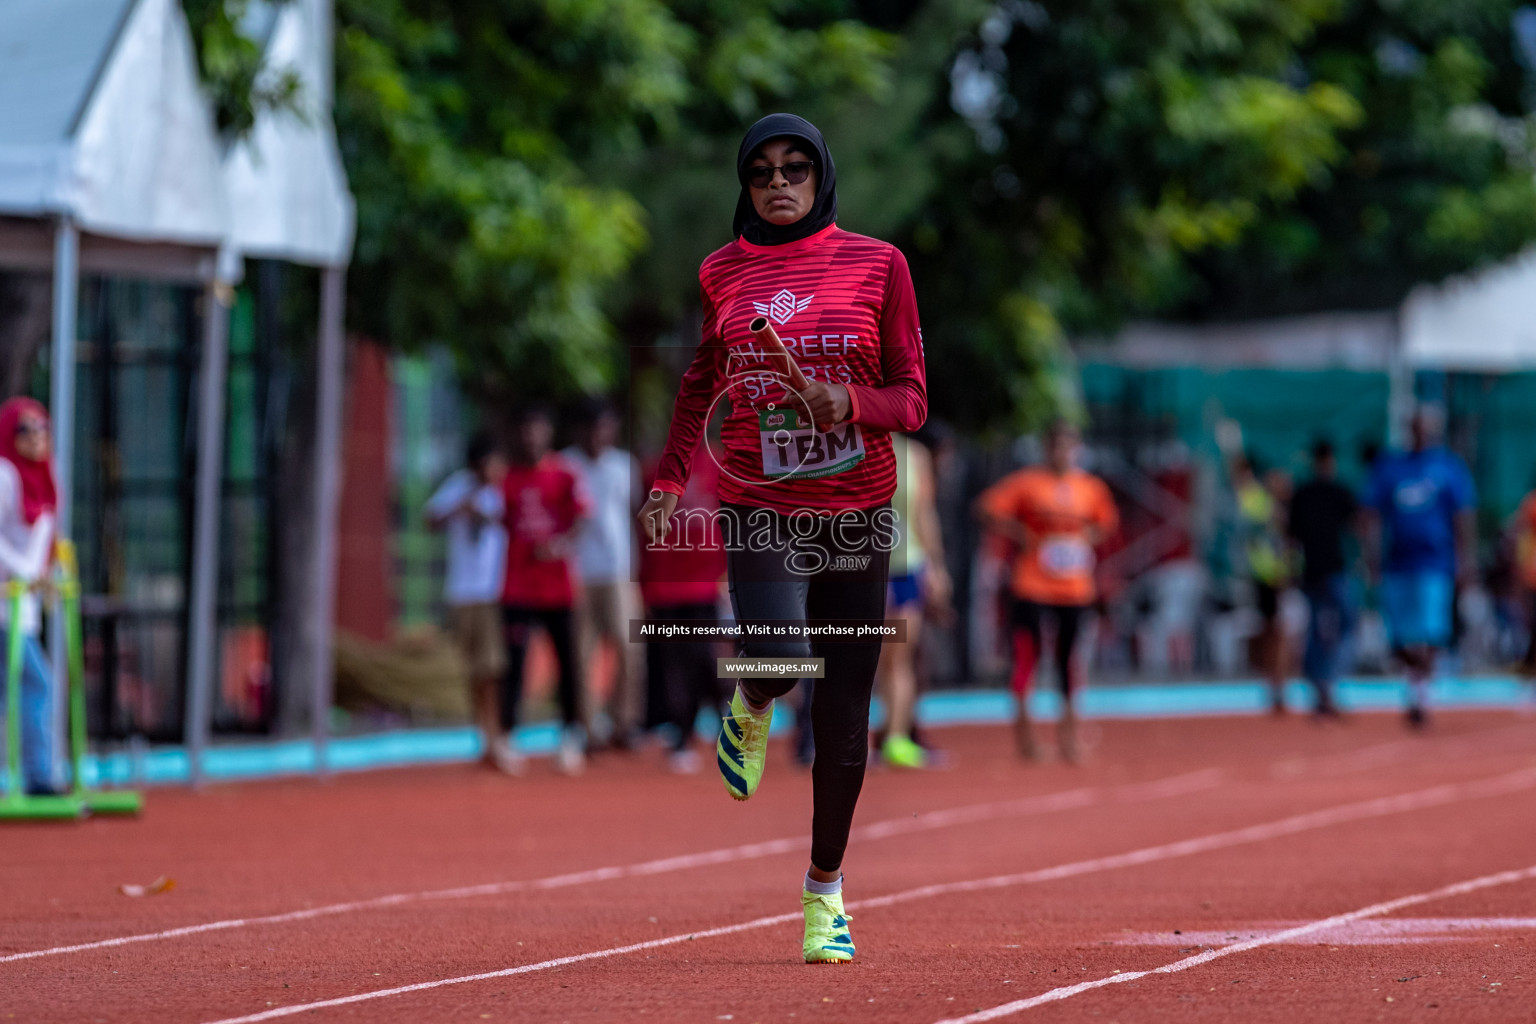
1207	870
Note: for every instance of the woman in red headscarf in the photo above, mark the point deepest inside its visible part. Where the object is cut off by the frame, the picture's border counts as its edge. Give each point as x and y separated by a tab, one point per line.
28	498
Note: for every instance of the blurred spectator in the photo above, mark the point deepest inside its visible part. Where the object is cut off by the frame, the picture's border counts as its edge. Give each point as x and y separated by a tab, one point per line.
28	499
1055	515
470	507
1370	454
544	507
605	564
1322	514
681	580
955	487
1523	527
918	581
1420	535
1261	512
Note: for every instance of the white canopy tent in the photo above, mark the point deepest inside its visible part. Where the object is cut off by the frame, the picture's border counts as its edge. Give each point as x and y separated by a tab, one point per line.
1484	322
102	122
110	162
286	185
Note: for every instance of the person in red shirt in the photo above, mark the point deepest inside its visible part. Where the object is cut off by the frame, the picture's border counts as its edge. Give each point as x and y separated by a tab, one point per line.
1056	515
806	476
1523	526
544	505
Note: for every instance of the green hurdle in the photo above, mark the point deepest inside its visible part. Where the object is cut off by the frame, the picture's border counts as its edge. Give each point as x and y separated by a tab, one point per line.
82	799
97	801
15	803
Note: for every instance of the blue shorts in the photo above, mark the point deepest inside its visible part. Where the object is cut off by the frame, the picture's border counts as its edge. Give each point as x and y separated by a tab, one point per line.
905	590
1417	607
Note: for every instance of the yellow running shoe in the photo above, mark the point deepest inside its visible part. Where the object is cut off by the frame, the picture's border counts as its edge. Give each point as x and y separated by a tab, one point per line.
742	747
826	929
902	752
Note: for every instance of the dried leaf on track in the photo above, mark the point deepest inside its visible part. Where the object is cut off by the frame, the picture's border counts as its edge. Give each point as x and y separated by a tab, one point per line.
162	884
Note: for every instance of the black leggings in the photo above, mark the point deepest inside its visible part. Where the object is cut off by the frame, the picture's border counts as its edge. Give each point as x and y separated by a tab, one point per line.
835	574
1028	641
517	627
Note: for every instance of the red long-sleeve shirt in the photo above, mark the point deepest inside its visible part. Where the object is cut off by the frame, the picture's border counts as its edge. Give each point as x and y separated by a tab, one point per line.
843	305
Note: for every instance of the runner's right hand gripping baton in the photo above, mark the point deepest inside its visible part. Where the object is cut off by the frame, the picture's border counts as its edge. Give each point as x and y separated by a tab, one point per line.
766	336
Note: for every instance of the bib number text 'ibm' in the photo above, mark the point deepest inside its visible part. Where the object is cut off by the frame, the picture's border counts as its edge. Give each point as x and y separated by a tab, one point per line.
792	446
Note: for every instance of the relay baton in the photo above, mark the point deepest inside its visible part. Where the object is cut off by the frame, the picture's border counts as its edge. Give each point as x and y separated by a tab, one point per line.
766	336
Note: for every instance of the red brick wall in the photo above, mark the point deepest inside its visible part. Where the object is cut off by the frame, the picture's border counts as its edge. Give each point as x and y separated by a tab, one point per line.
365	599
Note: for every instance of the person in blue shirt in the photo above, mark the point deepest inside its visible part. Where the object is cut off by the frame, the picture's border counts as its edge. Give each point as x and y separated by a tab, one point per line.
1421	536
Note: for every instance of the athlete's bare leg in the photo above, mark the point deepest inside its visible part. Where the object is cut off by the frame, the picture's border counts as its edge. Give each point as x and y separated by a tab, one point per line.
1024	732
896	678
487	715
1420	662
1067	732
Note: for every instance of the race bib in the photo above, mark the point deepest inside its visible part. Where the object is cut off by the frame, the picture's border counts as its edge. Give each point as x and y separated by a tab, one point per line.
794	447
1066	556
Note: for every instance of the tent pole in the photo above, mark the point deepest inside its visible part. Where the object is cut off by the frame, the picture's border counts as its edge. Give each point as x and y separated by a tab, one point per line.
1399	385
61	404
330	399
202	620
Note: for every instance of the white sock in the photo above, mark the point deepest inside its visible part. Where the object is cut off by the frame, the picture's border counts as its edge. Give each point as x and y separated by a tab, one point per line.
823	888
756	709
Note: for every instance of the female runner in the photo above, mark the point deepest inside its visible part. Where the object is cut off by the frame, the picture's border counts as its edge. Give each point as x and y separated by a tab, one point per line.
807	474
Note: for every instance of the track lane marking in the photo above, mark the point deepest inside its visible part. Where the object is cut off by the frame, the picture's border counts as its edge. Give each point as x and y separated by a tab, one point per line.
1071	799
1393	752
1176	785
1374	910
1066	800
1499	785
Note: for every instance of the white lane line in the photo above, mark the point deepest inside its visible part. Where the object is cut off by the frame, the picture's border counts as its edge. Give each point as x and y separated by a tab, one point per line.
1290	934
1382	754
543	965
1023	807
1396	931
1179	784
1067	800
1436	796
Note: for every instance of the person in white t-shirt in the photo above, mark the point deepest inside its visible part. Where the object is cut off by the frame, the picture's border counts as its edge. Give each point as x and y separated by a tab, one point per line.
28	499
605	566
470	508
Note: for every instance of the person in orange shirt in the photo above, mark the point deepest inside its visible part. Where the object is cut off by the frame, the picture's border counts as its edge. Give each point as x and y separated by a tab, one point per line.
1055	515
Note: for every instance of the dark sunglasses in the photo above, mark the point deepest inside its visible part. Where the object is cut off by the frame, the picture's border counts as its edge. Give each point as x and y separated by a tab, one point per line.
795	172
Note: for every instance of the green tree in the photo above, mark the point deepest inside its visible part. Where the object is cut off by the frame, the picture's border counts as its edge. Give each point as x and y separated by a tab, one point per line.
1208	158
502	152
1437	177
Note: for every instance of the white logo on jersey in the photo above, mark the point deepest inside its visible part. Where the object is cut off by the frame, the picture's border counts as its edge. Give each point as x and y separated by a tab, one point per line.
1416	494
783	306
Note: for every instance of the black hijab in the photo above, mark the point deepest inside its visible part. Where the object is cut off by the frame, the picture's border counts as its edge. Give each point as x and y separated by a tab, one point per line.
823	211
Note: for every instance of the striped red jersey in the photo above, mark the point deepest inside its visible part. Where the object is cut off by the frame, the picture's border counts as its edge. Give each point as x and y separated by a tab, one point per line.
843	305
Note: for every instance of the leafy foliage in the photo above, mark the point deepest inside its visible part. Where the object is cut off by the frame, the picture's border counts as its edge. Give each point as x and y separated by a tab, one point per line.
230	63
1438	176
1211	158
500	151
537	180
